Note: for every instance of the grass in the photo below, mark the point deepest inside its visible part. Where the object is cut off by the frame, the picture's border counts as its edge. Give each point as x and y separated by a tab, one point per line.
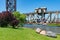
22	34
54	24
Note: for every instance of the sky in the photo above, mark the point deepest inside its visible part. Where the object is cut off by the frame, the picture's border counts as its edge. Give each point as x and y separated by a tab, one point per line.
26	6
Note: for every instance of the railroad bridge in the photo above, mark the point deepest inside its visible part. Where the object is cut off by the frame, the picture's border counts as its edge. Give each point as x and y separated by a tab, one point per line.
11	5
36	16
40	13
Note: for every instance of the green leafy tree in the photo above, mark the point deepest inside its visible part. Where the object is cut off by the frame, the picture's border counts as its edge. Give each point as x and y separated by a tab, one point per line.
20	16
16	14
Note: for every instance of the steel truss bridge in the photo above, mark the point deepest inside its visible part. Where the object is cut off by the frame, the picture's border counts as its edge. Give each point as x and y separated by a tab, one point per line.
11	5
37	15
30	17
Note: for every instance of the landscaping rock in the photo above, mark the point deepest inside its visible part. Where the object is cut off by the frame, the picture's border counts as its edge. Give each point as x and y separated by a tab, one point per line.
43	32
38	30
47	33
51	34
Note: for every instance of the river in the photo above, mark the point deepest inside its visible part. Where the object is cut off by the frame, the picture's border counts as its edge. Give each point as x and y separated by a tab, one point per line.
44	27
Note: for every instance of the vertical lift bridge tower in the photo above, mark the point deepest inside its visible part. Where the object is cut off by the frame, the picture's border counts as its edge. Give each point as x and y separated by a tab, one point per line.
11	5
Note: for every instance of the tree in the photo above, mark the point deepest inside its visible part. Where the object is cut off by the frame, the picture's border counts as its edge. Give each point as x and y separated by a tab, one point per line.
16	14
20	16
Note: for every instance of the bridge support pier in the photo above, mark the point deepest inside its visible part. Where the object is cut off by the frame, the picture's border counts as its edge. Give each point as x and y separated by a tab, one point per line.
50	17
43	15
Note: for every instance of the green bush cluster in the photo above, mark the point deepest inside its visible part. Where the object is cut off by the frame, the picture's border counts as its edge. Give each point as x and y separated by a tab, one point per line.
21	17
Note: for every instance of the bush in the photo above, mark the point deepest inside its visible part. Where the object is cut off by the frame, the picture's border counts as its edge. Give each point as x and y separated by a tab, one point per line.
7	18
14	23
19	16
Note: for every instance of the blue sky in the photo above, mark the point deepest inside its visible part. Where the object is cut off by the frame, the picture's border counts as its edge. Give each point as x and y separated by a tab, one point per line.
26	6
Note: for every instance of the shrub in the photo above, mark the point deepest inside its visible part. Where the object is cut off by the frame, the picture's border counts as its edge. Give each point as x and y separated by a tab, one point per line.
19	16
14	23
6	18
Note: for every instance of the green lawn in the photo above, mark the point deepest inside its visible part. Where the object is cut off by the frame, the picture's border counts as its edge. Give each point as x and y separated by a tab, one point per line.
22	34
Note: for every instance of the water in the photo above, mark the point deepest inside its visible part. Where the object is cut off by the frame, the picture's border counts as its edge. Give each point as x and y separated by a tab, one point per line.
44	27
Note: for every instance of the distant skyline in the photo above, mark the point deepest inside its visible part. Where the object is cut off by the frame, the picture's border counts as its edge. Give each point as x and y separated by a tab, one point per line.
26	6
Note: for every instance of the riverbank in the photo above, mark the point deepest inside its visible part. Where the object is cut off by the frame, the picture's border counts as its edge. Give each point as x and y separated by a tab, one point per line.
53	24
44	27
